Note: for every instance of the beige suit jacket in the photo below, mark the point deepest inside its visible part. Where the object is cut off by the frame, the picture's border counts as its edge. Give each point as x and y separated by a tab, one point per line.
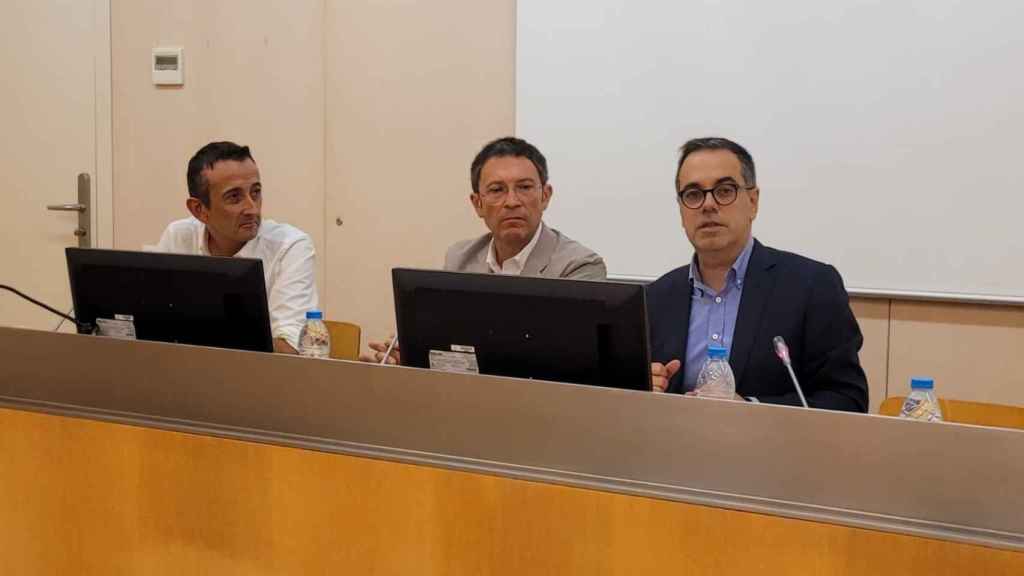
554	256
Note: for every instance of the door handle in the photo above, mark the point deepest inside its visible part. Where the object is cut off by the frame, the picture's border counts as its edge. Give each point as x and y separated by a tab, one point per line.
82	207
67	207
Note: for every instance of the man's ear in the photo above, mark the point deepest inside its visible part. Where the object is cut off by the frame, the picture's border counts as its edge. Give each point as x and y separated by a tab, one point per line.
477	203
755	197
197	209
545	196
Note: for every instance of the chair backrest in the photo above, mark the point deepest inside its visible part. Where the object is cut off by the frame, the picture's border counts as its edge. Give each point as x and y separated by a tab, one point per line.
963	412
344	339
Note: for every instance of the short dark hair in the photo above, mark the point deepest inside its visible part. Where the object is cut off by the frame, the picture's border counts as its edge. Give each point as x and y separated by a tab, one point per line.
508	146
204	159
715	143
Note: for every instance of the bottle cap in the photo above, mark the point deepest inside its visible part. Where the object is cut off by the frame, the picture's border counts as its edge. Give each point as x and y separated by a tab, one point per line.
314	315
920	383
717	351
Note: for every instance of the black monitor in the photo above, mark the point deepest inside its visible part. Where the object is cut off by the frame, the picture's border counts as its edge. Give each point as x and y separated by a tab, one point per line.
201	300
576	331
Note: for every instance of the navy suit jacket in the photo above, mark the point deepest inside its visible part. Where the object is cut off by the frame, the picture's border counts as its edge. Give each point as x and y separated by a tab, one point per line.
786	295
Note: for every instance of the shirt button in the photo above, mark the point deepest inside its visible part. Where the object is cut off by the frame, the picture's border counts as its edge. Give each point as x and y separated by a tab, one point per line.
718	299
714	336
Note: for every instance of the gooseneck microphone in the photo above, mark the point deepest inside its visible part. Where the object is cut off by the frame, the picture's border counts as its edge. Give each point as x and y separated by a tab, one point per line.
51	309
782	351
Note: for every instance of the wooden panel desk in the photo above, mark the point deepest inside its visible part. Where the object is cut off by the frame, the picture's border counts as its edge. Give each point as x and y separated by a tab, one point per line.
141	458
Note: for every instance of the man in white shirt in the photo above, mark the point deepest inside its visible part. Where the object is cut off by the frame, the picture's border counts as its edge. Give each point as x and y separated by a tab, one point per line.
225	199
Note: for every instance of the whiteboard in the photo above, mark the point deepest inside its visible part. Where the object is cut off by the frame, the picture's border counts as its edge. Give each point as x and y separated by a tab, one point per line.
887	135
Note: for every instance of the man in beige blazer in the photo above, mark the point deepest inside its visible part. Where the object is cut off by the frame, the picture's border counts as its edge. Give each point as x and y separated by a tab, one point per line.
510	184
554	256
510	193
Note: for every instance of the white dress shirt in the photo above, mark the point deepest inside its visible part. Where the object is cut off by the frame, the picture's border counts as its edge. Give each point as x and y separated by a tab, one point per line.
289	268
512	266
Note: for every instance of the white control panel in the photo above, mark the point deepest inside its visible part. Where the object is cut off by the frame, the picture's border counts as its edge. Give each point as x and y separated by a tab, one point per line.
168	66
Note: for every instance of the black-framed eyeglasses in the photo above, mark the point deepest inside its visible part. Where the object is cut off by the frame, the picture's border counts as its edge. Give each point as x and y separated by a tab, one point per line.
498	193
725	193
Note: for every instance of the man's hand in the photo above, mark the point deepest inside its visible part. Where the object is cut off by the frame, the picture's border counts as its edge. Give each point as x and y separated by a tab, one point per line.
662	373
281	346
379	348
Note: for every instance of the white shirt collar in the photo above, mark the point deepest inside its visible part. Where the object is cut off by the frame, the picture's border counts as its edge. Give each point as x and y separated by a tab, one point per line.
289	268
513	266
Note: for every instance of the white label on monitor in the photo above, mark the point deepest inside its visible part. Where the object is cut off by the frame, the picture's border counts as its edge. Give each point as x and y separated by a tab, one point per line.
464	362
461	348
123	329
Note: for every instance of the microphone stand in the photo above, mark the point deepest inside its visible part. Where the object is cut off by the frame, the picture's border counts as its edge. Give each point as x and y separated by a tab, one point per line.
83	327
782	351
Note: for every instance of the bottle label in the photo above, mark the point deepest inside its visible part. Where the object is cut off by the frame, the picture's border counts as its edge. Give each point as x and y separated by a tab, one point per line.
918	408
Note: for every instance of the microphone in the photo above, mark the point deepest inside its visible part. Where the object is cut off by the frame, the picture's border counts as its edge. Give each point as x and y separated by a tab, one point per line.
81	326
782	351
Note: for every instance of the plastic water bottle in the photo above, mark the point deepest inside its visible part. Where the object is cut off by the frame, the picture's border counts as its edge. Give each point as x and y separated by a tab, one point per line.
922	403
716	379
315	340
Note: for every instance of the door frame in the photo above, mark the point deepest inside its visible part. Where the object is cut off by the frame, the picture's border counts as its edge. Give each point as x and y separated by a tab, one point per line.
103	171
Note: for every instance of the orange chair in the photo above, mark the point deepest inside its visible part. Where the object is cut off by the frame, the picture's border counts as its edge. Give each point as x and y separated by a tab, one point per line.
963	412
345	338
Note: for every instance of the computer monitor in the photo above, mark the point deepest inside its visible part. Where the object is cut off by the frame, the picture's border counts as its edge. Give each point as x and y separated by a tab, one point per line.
201	300
576	331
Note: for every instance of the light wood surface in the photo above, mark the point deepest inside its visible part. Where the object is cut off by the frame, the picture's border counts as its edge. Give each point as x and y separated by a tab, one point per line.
873	317
254	74
963	412
972	351
344	339
49	109
620	441
413	91
85	497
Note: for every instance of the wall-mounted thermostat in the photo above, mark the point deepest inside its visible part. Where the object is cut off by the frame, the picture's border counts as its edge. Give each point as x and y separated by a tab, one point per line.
168	66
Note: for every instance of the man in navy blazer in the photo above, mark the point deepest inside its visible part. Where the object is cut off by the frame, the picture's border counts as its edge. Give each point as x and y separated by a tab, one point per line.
741	294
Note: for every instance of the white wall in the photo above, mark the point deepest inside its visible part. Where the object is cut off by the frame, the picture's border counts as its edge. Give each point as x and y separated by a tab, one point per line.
885	133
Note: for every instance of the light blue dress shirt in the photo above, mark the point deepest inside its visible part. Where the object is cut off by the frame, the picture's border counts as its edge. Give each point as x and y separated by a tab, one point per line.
712	315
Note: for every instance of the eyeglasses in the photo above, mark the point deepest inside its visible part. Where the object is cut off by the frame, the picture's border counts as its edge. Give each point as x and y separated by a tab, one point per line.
724	193
497	194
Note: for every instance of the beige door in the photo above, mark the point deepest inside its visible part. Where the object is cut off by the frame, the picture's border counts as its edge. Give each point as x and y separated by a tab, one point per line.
402	128
48	110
